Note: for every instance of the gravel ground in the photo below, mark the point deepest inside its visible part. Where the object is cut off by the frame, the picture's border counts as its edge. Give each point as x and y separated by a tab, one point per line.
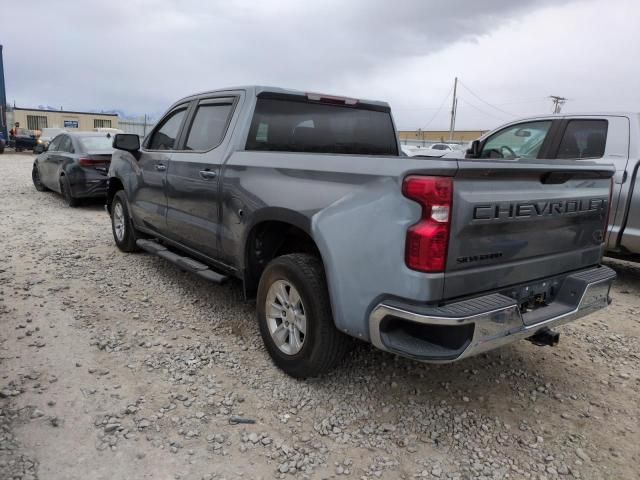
116	366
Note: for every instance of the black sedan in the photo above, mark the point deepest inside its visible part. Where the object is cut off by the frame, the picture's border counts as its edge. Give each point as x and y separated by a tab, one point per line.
75	165
24	139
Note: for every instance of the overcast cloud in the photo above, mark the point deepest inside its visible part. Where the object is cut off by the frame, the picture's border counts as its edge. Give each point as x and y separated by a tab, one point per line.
141	55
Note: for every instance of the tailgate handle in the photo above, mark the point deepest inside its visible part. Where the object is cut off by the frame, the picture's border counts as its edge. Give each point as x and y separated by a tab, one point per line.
555	178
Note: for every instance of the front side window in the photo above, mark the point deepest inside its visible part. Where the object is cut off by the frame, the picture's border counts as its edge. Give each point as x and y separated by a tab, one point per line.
164	137
299	126
583	139
209	126
517	141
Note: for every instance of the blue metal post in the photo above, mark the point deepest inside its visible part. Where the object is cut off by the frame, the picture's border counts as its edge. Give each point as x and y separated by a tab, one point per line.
3	100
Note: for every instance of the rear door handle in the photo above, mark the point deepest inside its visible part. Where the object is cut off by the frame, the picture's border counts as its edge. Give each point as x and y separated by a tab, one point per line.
207	174
160	167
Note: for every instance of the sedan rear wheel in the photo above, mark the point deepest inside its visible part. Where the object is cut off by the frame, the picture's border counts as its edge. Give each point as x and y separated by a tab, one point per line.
35	176
65	189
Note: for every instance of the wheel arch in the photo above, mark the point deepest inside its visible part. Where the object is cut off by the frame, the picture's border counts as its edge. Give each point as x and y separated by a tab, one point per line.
114	186
274	233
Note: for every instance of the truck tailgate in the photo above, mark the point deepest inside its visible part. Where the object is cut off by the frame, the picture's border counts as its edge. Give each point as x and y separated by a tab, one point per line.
515	222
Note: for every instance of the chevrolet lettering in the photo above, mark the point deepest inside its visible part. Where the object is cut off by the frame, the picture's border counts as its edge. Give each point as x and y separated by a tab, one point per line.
496	211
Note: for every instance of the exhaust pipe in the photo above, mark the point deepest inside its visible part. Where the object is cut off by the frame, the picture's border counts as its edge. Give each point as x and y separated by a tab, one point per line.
545	337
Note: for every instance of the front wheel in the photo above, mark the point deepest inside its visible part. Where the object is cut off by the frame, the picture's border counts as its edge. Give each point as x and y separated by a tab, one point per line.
294	315
121	224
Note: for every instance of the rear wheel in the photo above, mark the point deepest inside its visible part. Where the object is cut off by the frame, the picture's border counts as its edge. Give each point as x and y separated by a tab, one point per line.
35	176
65	189
121	225
294	315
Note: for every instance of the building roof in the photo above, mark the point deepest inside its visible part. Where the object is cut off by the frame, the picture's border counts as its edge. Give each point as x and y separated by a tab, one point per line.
65	111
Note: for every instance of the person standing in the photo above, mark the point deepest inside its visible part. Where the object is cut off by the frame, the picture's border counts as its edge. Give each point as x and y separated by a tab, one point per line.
12	134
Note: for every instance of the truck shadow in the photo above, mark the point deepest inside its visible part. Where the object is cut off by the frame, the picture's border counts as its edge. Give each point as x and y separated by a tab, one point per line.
628	272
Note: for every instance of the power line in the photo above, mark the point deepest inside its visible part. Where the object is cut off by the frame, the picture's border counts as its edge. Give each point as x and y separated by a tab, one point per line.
484	101
467	102
444	100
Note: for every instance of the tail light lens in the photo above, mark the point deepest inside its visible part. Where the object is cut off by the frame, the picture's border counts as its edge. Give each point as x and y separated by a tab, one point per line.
92	162
428	240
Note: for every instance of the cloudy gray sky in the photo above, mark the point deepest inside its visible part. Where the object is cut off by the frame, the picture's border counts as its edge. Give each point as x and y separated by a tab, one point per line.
140	55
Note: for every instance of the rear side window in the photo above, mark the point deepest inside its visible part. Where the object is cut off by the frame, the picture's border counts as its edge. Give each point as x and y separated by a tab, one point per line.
583	139
209	126
55	143
65	144
164	138
300	126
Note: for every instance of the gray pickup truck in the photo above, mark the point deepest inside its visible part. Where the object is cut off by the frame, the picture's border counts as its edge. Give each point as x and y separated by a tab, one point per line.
308	201
602	138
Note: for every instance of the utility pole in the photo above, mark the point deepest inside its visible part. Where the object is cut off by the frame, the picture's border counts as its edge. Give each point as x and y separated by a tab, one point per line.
558	102
454	107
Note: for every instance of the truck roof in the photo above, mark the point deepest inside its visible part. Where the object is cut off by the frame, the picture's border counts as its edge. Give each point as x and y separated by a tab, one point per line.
578	114
257	89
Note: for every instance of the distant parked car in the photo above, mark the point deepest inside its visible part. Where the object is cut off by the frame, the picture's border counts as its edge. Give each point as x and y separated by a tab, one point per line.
45	138
3	142
75	165
441	146
24	139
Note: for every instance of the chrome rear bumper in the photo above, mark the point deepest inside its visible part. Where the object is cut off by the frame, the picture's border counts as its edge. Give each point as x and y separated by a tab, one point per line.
483	323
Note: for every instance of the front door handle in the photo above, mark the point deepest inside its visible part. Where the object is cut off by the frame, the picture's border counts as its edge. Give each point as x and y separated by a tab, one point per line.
160	167
207	174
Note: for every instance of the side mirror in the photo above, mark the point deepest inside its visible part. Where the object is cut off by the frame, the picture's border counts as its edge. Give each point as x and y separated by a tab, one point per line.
127	142
523	132
474	151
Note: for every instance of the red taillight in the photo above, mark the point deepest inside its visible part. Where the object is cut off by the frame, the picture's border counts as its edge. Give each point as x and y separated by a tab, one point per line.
427	240
92	162
317	97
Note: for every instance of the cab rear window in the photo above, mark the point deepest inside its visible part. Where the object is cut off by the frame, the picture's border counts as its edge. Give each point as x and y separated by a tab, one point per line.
305	126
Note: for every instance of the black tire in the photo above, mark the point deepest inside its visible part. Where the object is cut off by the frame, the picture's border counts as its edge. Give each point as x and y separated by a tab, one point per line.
65	190
126	241
323	346
35	176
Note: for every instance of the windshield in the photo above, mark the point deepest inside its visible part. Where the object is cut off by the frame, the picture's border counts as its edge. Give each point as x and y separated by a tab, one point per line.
97	143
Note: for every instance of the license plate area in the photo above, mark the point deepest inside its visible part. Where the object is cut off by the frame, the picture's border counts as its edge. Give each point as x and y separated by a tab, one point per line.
532	296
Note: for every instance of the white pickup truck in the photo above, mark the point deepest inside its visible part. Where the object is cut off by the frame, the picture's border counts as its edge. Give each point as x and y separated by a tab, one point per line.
605	138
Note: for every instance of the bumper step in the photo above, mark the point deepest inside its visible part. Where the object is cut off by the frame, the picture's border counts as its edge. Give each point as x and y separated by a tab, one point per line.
185	263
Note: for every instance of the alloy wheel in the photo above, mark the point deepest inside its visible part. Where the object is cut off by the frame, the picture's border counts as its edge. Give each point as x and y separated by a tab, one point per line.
286	317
